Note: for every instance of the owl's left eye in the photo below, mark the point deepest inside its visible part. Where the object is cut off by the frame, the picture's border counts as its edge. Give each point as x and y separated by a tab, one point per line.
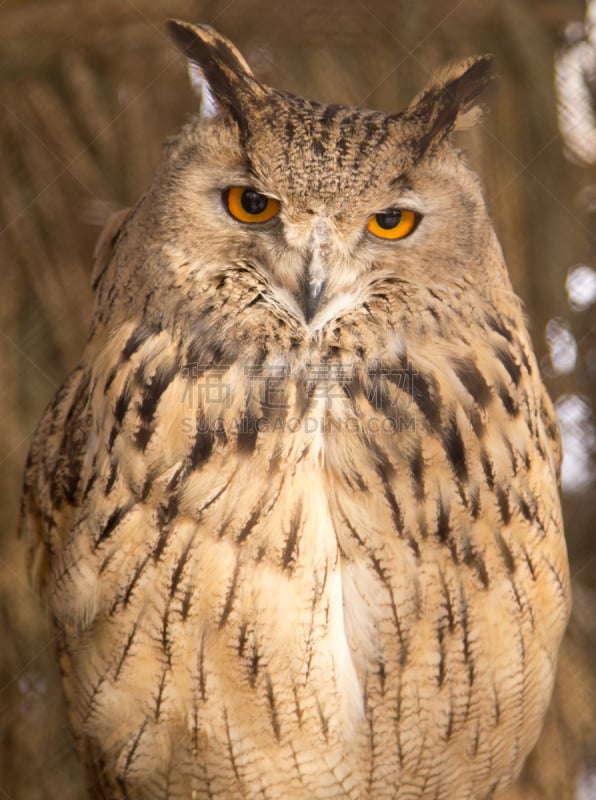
396	223
246	205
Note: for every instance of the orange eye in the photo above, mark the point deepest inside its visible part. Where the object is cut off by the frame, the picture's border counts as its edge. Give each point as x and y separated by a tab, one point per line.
393	224
246	205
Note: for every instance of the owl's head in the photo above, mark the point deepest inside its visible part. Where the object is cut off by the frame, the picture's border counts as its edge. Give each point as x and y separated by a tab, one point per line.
318	200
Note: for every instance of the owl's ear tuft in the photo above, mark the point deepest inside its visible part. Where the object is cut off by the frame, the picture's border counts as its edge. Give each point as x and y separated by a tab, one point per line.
451	100
218	72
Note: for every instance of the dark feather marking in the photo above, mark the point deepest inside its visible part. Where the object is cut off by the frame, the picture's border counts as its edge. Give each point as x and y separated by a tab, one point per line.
147	485
463	613
557	578
89	485
202	678
111	478
529	563
525	360
103	567
474	503
91	703
112	437
506	553
195	729
378	568
471	679
186	603
162	539
291	550
178	569
414	546
509	404
352	531
417	467
152	393
512	456
443	524
299	712
354	481
272	706
434	313
230	596
253	666
217	495
450	724
126	650
497	706
488	470
473	381
113	521
448	603
247	433
385	471
111	377
476	740
498	326
133	749
507	360
396	514
324	721
203	443
426	396
137	338
142	436
525	509
503	502
256	299
242	638
478	424
382	675
231	748
520	605
133	581
122	404
454	447
252	521
442	656
166	644
290	130
166	513
473	559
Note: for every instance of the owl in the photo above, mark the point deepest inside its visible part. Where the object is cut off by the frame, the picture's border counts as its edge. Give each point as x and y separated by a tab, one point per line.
296	513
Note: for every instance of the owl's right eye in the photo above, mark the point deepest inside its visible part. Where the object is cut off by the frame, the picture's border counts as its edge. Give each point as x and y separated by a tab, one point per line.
395	223
246	205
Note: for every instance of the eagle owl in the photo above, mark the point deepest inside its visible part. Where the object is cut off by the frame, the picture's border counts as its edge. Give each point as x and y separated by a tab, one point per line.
296	511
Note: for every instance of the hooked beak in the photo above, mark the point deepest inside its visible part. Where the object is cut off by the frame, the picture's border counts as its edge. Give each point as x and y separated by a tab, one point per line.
315	271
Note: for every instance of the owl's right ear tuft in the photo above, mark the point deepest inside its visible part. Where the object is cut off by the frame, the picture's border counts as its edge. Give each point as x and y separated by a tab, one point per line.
451	100
218	72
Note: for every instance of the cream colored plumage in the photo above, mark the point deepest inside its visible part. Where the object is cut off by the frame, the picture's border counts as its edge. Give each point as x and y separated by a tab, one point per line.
296	511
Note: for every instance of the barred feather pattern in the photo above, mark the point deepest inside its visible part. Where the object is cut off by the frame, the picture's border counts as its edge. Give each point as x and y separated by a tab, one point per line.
224	567
294	555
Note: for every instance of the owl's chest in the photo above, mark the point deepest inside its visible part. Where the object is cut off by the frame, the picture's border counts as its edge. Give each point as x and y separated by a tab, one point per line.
315	565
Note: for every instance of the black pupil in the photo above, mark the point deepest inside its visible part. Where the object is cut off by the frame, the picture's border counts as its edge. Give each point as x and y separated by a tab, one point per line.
253	202
390	219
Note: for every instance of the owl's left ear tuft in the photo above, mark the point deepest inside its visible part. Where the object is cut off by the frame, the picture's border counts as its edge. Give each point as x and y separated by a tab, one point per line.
218	72
450	101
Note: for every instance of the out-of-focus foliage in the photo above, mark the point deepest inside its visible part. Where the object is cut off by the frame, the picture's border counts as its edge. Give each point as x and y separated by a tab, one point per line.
88	91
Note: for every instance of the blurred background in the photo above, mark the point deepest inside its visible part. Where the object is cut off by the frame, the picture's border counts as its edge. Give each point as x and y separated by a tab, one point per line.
88	91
